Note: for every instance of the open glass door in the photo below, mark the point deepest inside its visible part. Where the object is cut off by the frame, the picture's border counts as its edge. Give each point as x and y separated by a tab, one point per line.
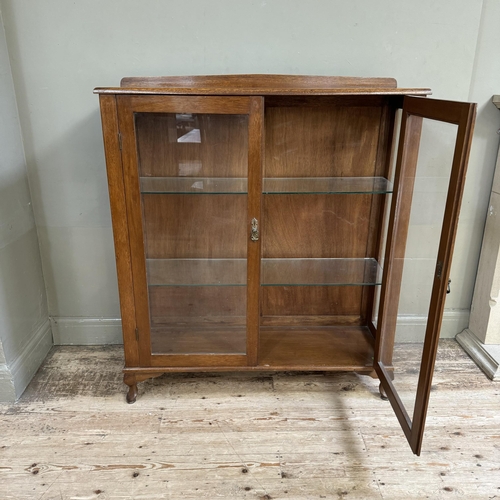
422	228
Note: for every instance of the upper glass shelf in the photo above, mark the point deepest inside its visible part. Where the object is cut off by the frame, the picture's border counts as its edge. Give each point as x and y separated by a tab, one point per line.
327	185
275	272
285	185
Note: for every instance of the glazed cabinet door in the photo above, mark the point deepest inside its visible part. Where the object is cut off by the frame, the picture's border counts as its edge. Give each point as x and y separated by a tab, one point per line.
192	173
422	228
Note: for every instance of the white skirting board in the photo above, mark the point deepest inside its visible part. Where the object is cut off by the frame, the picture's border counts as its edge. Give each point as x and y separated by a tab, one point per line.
7	389
15	377
86	331
102	331
411	328
487	357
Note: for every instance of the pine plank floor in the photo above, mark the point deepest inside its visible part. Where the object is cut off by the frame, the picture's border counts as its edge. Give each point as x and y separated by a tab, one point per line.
255	436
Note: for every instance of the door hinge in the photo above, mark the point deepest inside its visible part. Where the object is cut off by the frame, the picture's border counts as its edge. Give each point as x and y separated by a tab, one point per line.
137	334
439	269
120	140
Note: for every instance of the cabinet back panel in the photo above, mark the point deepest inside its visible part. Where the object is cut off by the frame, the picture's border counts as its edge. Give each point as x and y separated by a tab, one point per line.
338	141
195	226
218	148
311	300
343	139
209	305
316	226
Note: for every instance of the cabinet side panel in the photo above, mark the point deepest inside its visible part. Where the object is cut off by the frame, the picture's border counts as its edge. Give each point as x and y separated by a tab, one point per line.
120	225
380	204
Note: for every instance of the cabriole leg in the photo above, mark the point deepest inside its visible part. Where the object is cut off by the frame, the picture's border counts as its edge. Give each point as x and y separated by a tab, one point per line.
383	394
131	380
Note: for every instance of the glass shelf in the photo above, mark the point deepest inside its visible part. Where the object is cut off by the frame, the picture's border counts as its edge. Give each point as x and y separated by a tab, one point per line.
310	272
326	185
275	272
194	185
285	185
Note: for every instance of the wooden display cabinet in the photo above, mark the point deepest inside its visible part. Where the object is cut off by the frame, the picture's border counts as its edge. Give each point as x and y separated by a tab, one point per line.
252	215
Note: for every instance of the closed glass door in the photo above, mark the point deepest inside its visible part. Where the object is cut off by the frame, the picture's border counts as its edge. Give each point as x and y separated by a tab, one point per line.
192	221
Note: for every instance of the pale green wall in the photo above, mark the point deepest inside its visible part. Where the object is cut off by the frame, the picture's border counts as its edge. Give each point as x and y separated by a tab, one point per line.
60	50
25	336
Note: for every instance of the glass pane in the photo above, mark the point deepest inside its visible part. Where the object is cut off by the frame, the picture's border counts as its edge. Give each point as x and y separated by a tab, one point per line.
195	246
430	189
192	272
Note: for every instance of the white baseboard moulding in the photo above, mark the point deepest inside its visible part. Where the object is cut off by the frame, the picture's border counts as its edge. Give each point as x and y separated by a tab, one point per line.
102	331
15	377
487	357
86	331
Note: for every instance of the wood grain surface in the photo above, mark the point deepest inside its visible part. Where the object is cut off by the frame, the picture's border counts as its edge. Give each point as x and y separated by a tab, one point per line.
257	81
311	141
244	435
260	85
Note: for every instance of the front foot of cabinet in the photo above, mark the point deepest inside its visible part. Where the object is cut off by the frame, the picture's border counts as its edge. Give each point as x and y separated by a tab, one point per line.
132	379
383	394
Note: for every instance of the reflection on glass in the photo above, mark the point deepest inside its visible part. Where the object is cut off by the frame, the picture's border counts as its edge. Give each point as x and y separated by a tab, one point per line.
199	185
419	265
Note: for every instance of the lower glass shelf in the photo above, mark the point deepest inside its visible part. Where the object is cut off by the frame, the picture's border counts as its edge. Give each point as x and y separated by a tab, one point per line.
197	272
274	272
327	185
313	272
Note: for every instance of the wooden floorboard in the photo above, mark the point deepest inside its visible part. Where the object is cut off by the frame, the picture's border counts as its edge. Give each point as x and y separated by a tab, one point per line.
255	436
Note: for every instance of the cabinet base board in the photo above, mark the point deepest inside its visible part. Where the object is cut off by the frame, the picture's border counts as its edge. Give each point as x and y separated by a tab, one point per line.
334	348
346	347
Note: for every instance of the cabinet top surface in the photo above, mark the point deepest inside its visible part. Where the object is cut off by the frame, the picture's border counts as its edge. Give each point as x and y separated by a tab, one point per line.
260	85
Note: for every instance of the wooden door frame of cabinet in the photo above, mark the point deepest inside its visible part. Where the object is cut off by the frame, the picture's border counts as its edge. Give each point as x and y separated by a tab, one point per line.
253	108
414	111
255	165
